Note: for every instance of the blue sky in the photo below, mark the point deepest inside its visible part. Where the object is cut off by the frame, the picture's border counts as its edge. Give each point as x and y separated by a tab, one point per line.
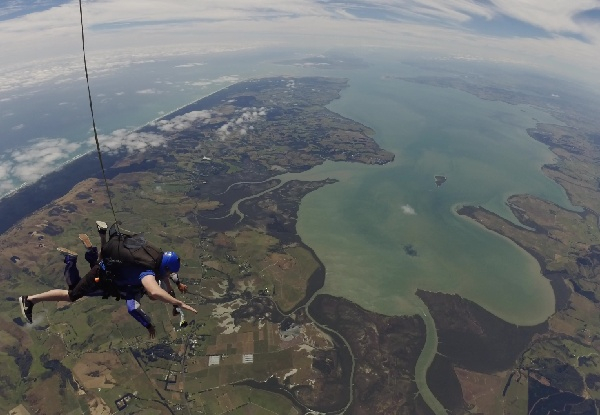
12	9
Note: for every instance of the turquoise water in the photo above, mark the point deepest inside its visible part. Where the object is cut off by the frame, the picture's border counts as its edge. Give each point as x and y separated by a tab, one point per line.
360	226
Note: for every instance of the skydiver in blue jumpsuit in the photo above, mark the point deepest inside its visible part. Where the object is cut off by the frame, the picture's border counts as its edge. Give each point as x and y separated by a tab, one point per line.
132	295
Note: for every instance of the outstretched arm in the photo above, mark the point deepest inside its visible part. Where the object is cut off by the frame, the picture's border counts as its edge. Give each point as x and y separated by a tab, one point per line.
156	293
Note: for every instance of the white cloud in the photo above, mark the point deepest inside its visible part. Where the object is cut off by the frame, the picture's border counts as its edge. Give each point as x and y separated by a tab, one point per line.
201	83
129	141
148	91
18	127
182	122
44	155
226	78
189	65
31	162
554	16
241	121
220	80
408	210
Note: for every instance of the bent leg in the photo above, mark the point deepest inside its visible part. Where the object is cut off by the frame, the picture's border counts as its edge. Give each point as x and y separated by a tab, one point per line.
71	272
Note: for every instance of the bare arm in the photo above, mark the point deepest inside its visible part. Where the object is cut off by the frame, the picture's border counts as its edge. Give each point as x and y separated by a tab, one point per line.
155	292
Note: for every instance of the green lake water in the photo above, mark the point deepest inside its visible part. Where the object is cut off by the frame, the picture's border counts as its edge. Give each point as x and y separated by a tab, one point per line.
359	227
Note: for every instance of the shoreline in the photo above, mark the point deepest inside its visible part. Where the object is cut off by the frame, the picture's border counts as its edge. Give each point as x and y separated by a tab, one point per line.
29	197
93	150
559	288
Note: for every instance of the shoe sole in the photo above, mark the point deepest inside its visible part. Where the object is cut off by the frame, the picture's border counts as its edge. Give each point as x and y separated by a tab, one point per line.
22	304
66	251
101	225
85	240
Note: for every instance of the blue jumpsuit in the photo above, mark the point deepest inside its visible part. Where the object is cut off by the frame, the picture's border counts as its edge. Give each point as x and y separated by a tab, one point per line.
132	292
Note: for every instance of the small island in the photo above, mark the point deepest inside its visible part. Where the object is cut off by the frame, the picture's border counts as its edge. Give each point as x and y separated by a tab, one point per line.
439	180
410	250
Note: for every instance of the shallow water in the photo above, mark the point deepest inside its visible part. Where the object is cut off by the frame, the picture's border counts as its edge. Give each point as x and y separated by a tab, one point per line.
361	226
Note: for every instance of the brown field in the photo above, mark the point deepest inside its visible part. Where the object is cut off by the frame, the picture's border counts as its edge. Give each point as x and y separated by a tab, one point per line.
93	370
99	407
19	410
480	391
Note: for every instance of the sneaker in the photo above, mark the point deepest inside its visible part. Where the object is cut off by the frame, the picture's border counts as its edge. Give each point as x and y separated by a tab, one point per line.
26	308
102	226
175	310
67	252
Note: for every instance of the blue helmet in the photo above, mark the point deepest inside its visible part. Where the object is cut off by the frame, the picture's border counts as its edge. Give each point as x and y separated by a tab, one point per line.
170	261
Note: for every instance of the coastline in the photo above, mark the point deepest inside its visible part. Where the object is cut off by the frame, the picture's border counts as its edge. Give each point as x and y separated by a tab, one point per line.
29	197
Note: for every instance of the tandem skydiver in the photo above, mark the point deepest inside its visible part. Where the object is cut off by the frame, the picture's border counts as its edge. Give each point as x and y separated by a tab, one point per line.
129	281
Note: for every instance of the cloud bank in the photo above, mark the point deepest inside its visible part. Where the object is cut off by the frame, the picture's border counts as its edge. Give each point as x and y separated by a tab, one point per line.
242	121
561	35
29	163
44	155
182	122
129	141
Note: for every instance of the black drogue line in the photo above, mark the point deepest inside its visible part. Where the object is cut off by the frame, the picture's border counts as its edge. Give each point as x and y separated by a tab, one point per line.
87	80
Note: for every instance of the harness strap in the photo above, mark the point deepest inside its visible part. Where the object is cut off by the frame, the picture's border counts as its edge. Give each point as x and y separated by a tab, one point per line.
106	282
